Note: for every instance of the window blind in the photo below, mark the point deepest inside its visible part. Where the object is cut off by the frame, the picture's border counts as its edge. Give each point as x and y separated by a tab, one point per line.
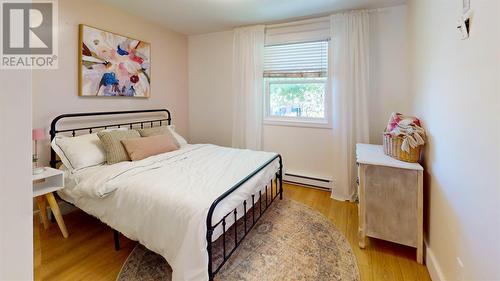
296	60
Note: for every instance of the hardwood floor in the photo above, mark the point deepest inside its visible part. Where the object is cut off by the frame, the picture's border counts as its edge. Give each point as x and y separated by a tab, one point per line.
88	253
380	260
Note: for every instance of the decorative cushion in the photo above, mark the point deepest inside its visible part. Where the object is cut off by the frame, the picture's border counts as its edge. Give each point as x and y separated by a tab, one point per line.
162	130
140	148
154	131
111	141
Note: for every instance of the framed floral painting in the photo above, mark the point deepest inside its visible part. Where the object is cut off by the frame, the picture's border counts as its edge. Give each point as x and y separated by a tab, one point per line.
113	65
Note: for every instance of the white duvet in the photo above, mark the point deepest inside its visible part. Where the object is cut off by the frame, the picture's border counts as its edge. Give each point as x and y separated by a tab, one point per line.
163	201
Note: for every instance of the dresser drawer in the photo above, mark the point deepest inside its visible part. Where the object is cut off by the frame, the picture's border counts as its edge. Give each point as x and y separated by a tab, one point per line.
391	204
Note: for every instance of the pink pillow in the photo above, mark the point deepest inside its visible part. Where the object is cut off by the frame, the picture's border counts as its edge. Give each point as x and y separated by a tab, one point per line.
140	148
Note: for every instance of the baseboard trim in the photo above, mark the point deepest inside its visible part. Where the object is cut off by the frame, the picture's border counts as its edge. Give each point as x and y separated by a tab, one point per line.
432	265
308	181
306	185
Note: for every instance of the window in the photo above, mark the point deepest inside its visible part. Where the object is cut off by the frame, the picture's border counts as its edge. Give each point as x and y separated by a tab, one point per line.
295	84
297	97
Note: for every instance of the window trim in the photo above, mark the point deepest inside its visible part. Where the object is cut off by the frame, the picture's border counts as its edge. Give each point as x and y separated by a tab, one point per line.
325	122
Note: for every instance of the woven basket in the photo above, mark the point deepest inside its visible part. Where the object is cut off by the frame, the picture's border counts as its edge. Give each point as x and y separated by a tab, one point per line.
392	147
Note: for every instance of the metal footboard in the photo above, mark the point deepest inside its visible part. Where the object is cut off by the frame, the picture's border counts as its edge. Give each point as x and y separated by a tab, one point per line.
256	203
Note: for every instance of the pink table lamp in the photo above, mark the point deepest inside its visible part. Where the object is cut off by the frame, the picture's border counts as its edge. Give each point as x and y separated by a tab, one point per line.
37	135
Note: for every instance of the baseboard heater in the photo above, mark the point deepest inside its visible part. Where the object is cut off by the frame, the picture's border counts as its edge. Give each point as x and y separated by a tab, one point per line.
319	183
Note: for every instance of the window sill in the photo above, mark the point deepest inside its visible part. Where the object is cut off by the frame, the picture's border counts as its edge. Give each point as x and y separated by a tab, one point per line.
297	123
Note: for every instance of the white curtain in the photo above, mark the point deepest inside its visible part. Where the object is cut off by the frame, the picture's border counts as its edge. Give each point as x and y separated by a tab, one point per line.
349	68
248	52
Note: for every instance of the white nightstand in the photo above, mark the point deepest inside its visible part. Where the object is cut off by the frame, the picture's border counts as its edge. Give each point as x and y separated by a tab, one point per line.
44	184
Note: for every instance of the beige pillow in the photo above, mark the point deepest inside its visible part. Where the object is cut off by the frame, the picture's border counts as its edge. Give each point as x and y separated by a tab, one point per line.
155	131
111	141
141	148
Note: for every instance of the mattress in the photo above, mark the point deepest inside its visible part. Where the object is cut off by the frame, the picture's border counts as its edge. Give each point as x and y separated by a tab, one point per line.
163	201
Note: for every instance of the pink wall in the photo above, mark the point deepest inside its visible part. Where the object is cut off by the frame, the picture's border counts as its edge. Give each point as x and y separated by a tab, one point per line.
56	91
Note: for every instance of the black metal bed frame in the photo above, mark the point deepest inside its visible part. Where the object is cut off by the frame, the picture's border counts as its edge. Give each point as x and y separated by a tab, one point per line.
262	197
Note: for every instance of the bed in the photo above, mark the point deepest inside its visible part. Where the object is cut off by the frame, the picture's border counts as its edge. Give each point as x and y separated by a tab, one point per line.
178	204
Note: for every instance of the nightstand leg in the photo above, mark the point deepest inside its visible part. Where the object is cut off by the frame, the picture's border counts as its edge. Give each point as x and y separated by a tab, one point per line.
420	222
361	207
361	239
57	213
42	206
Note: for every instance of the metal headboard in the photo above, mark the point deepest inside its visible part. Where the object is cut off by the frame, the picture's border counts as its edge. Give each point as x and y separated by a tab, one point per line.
54	131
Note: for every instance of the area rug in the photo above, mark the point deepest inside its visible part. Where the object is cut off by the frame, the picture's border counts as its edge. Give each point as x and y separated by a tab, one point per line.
290	242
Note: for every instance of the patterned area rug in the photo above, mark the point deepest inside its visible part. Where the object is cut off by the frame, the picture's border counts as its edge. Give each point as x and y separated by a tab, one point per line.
290	242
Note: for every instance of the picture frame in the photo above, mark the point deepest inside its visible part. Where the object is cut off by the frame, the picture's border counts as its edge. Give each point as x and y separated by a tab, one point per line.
112	65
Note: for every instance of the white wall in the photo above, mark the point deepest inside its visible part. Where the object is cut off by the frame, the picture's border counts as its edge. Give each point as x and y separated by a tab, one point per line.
456	93
389	89
16	217
56	91
305	151
210	85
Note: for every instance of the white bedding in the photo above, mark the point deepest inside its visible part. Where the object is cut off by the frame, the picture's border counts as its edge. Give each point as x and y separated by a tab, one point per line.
163	201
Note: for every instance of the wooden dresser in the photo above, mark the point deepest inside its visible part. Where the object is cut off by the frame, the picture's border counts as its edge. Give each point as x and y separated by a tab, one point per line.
390	198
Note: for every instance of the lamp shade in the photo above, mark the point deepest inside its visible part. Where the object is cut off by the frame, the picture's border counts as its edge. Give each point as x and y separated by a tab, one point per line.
38	134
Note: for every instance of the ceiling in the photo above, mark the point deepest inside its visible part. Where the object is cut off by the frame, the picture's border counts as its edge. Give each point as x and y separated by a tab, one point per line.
203	16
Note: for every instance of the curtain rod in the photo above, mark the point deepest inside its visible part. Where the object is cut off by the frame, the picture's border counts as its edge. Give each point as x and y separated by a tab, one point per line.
327	18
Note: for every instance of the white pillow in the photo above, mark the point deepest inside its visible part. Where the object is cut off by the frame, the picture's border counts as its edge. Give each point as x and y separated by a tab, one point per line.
179	138
79	152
